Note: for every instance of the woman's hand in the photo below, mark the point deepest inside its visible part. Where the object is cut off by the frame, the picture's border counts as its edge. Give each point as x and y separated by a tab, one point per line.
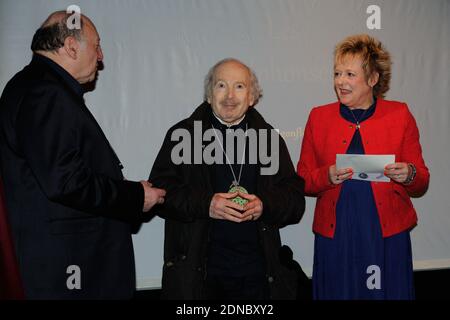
399	171
339	176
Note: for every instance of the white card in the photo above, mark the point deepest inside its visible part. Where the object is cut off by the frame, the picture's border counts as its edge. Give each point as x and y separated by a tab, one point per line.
366	167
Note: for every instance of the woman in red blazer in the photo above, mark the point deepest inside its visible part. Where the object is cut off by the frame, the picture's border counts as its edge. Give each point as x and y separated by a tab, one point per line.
362	246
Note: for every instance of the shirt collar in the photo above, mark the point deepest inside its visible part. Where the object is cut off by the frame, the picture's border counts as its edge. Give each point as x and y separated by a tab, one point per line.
236	123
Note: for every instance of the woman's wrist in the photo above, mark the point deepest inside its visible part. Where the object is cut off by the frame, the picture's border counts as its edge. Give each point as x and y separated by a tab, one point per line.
411	174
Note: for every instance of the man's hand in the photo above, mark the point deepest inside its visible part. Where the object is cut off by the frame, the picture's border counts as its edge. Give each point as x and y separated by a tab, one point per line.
253	209
152	196
223	208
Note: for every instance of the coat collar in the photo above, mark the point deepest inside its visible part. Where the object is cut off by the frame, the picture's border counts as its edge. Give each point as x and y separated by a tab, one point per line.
380	109
65	78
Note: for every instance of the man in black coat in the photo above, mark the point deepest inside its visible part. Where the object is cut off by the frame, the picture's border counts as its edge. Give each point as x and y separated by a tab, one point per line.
69	207
226	201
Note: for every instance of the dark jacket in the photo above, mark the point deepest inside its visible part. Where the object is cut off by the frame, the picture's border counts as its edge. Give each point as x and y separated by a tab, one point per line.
186	214
67	202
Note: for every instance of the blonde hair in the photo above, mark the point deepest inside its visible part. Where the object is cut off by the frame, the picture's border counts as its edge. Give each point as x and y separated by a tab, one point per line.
375	58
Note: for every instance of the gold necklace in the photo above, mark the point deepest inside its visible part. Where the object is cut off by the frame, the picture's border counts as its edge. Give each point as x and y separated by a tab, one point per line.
359	118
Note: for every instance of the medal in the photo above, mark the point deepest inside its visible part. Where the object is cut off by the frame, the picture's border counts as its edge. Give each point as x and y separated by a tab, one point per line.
239	200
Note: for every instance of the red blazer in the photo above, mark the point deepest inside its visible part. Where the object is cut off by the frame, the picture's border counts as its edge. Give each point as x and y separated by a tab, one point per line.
391	130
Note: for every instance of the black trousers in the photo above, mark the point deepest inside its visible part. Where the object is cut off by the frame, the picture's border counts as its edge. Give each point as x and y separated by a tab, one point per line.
252	287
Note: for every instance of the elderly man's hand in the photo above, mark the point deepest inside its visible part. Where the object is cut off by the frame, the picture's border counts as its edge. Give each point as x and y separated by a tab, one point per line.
223	208
152	196
253	209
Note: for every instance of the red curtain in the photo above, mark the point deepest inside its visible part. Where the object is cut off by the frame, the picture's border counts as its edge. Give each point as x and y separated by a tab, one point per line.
10	284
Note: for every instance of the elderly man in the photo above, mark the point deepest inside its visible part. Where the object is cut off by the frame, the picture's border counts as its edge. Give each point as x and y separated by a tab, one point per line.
223	210
70	209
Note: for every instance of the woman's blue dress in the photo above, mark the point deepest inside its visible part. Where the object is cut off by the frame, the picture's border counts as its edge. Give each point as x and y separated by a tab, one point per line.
358	263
